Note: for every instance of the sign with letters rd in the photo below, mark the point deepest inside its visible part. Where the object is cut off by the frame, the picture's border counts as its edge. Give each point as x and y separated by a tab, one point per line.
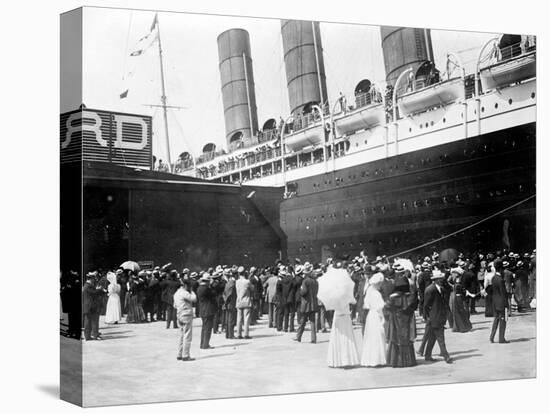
96	135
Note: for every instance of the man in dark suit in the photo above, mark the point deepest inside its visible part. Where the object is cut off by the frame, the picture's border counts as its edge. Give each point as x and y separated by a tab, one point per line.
309	305
208	307
71	292
287	299
435	312
470	284
296	285
500	304
169	287
230	305
423	282
91	307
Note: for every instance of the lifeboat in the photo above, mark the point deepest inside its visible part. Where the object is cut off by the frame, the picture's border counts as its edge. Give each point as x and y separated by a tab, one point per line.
362	118
508	72
439	94
312	135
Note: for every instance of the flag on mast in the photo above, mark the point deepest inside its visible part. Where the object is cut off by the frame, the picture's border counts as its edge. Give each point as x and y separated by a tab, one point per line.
143	44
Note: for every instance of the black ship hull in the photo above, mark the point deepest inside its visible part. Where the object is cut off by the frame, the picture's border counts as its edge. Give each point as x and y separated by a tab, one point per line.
396	204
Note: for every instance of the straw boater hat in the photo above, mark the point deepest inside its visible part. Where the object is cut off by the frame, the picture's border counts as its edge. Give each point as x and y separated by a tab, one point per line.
298	270
205	276
307	269
398	268
426	265
437	274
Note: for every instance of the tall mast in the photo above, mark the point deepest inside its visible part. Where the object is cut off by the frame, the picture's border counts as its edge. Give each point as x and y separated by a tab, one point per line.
163	97
318	66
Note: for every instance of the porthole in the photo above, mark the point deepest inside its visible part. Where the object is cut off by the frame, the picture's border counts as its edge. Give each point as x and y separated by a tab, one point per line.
496	105
420	126
444	120
432	123
410	130
462	114
533	95
427	125
482	109
510	101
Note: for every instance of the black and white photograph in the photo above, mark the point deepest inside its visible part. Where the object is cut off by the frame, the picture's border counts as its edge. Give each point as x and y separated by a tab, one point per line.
259	206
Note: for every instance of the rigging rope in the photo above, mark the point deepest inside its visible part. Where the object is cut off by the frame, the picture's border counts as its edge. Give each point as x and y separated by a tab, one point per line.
126	48
464	228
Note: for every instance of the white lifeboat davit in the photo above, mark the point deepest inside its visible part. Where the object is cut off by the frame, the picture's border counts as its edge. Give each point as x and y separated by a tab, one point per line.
508	72
439	94
362	118
312	135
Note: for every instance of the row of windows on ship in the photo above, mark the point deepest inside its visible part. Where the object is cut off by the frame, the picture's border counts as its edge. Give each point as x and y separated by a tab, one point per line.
482	233
404	205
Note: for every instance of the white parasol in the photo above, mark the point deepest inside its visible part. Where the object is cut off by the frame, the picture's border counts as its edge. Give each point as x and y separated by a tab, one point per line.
406	263
336	289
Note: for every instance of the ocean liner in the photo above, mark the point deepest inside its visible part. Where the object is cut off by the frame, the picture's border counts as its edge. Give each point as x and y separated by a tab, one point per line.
430	160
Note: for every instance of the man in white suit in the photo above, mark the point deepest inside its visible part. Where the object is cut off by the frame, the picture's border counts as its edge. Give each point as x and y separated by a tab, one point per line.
244	303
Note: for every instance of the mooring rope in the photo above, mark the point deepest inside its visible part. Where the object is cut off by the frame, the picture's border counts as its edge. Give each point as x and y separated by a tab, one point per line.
464	228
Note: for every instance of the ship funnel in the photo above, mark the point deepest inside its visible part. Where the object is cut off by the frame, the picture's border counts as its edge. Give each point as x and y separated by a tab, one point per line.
403	48
305	69
239	98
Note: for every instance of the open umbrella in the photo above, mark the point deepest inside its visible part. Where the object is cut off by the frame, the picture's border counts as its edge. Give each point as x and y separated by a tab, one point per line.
335	289
448	255
406	263
130	265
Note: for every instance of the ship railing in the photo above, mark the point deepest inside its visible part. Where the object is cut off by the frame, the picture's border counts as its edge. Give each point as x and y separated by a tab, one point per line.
269	135
209	156
367	98
515	50
304	121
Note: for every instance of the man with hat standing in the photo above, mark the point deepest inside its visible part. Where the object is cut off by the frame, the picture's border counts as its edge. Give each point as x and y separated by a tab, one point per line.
208	305
309	305
296	285
169	286
243	303
256	294
287	299
194	276
270	287
230	304
183	303
423	281
435	312
91	304
500	304
218	284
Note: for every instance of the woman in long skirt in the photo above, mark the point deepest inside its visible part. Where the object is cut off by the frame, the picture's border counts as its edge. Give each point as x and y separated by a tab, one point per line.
135	311
488	293
342	349
521	288
401	306
113	313
460	315
374	338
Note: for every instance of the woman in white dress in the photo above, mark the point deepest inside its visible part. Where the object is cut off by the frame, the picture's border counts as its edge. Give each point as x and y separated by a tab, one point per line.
342	348
113	313
374	340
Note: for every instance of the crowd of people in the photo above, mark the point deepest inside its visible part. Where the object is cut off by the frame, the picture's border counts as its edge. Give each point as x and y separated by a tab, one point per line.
383	298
